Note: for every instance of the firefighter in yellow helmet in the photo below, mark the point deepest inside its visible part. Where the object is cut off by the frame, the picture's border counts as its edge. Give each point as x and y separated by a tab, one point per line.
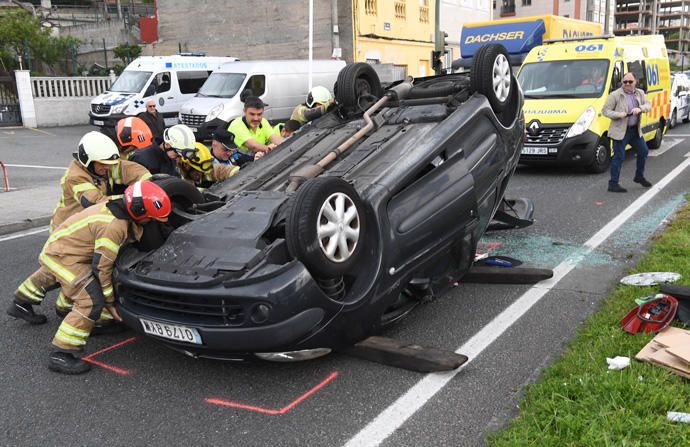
196	166
319	101
80	255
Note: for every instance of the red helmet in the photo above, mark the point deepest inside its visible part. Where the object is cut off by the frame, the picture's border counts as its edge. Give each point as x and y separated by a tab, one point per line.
133	131
146	199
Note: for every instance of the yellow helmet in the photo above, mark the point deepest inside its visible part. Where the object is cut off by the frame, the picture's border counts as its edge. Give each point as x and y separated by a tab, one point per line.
198	158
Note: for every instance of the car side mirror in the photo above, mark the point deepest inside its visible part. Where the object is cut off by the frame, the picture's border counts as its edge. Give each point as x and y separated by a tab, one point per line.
150	91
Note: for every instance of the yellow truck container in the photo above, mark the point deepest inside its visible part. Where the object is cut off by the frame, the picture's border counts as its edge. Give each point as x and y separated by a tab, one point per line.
566	84
520	35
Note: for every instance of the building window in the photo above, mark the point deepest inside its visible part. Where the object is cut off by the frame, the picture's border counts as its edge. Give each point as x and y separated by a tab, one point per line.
424	14
526	2
400	10
494	4
370	7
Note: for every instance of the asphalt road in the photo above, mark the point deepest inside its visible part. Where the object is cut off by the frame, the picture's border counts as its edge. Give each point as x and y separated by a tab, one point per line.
143	393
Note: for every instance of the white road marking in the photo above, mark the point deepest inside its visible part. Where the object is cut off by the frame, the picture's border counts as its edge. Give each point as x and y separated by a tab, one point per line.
681	135
62	168
665	146
23	234
406	405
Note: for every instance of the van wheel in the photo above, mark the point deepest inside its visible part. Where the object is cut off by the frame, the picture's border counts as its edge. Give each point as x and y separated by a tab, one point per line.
357	85
325	226
602	156
656	142
674	120
491	76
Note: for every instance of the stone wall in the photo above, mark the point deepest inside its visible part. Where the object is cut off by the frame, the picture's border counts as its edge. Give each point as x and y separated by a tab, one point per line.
92	34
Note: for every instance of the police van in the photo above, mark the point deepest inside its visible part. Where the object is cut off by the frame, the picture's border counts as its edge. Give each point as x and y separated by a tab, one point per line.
168	80
566	84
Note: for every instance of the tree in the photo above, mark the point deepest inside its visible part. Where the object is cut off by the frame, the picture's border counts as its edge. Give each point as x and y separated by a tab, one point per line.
22	35
126	52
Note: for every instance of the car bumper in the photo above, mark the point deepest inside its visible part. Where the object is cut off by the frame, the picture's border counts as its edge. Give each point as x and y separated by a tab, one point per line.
577	150
105	121
298	308
205	131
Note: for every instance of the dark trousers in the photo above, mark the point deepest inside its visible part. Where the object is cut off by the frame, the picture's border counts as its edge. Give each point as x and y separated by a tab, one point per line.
639	146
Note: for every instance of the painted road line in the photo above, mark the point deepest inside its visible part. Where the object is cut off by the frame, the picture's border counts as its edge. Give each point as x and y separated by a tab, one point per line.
393	417
665	146
23	234
62	168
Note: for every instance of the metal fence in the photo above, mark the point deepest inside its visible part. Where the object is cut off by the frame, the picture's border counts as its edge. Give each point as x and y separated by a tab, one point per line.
69	87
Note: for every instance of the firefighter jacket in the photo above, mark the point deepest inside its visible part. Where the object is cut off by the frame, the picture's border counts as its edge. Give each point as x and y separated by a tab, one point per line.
91	237
218	173
80	189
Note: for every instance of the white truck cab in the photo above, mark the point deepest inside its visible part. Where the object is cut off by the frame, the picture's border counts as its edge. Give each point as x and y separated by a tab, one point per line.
169	80
680	99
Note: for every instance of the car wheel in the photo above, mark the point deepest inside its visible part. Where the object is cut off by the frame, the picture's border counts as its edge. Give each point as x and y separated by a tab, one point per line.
355	82
182	195
674	119
492	76
326	226
658	137
602	156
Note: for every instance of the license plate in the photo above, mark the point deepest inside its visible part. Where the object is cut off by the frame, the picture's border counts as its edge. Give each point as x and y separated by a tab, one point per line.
171	331
98	123
535	151
194	129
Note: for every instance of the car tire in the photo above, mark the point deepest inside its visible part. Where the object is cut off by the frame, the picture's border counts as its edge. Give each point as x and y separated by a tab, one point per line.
182	195
674	119
354	82
602	156
492	76
658	137
315	231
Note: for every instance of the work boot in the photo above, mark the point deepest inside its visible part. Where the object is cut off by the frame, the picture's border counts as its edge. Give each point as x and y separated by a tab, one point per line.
617	188
642	181
25	312
66	363
61	313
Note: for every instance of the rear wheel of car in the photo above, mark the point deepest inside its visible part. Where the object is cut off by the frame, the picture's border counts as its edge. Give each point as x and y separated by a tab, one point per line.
674	119
357	85
326	226
491	76
658	137
602	156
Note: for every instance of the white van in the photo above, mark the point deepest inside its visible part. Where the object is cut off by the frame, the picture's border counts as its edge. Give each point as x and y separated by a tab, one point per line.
169	80
282	84
680	99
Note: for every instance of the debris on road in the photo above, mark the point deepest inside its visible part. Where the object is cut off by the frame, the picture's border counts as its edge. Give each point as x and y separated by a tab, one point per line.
670	350
618	362
650	278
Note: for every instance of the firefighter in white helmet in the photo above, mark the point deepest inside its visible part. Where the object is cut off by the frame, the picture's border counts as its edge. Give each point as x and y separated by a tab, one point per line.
319	101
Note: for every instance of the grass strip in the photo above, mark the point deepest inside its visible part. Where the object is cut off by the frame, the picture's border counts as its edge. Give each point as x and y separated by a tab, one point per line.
579	402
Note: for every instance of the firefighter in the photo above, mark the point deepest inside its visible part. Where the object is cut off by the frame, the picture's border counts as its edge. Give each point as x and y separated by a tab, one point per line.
132	133
80	256
96	173
319	101
196	166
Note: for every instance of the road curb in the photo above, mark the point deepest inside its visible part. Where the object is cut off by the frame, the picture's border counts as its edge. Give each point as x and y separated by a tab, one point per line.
25	224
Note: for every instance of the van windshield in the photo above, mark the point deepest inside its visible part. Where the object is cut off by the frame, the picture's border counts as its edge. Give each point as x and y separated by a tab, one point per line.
130	82
222	85
564	79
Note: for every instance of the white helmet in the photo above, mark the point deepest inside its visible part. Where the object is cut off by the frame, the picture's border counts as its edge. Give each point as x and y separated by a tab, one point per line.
319	95
179	136
94	146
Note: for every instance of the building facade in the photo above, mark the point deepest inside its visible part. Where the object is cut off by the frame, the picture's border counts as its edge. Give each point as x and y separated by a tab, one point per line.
590	10
670	18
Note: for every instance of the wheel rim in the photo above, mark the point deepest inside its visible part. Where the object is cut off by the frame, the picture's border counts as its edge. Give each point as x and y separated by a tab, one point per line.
601	154
338	227
501	77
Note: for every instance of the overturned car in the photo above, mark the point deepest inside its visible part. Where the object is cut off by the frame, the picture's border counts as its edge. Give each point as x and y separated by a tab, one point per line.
339	231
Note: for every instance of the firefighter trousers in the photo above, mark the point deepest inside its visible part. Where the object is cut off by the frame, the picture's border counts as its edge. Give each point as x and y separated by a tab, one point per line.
85	294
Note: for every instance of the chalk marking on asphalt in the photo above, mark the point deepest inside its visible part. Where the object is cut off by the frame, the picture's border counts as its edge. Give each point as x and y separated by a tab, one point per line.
62	168
665	148
393	417
23	234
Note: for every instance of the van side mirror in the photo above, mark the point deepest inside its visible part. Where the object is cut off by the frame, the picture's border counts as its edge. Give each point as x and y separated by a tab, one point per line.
150	90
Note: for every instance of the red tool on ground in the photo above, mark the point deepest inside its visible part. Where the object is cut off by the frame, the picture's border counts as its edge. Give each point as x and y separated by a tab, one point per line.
651	316
4	176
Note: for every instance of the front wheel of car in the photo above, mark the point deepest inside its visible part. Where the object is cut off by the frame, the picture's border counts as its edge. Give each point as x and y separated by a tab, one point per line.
658	137
325	226
602	156
491	75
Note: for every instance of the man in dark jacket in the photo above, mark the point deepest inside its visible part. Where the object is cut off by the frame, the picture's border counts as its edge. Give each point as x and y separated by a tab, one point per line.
162	159
154	120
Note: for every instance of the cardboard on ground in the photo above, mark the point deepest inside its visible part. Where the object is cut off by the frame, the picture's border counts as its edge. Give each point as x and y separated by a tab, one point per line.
670	349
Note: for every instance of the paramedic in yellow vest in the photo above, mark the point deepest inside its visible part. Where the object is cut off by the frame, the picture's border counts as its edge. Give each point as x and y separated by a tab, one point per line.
253	133
80	256
96	173
197	167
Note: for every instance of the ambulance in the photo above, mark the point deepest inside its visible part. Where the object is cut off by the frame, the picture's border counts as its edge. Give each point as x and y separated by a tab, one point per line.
168	80
566	84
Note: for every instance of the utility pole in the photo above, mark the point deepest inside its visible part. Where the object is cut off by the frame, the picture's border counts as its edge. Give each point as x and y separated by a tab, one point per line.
607	13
